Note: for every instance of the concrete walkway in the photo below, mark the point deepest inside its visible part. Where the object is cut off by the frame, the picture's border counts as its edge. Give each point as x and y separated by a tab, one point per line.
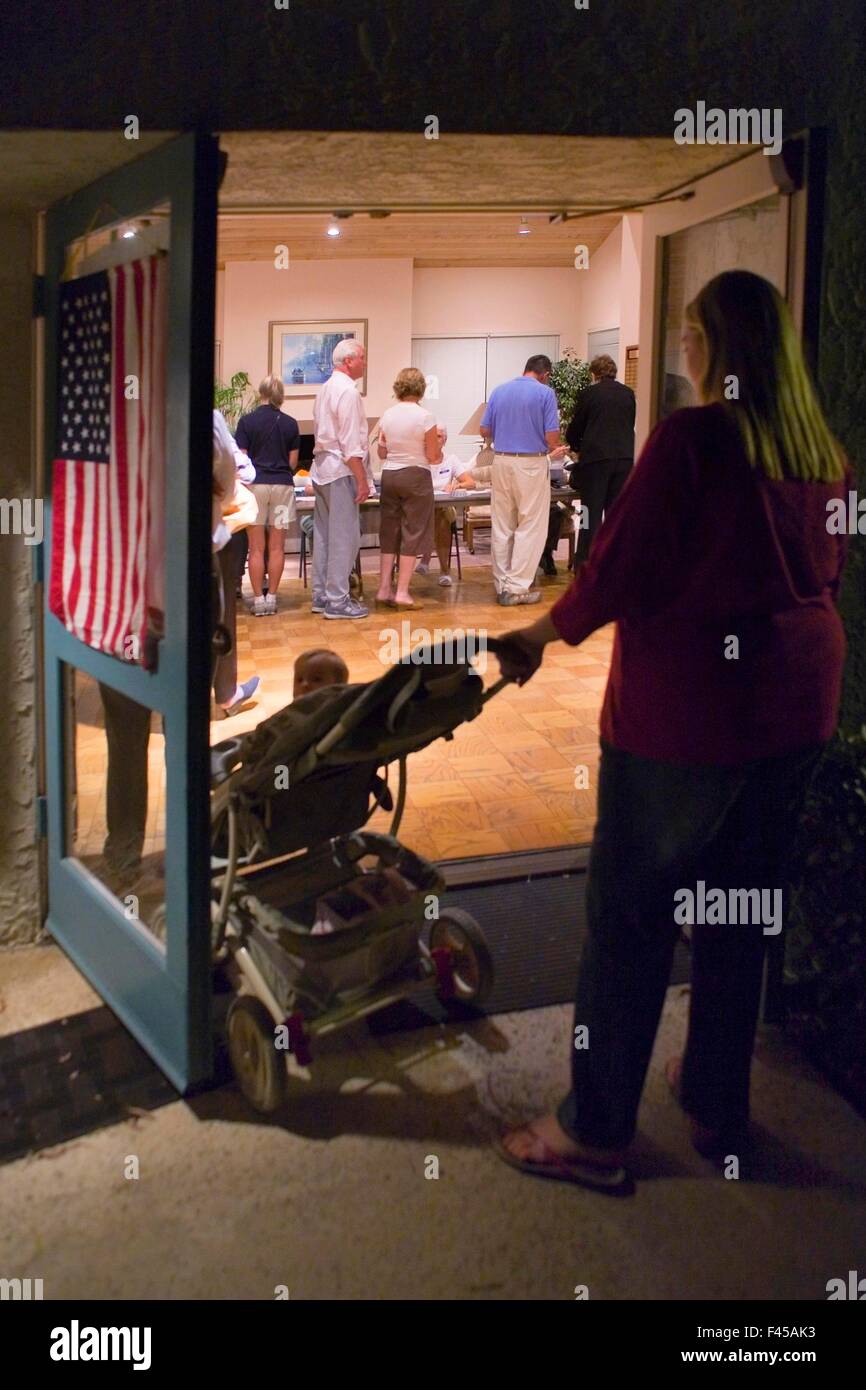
332	1200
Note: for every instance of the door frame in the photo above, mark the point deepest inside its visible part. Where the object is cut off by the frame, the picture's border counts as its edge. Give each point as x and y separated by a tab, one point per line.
747	180
162	995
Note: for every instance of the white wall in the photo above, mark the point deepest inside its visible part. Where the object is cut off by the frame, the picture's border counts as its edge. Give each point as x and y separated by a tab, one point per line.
402	303
599	290
629	287
219	329
456	303
379	290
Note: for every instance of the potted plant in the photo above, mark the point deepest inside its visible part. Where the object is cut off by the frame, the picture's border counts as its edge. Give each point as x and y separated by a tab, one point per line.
235	399
569	377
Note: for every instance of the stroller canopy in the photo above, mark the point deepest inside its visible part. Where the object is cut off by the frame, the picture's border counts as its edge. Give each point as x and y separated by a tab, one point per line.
314	763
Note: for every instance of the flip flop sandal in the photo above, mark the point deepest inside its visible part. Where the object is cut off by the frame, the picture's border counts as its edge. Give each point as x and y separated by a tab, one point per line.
615	1181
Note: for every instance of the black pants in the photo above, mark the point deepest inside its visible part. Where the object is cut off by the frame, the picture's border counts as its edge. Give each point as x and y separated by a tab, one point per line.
127	732
599	485
558	513
231	562
661	828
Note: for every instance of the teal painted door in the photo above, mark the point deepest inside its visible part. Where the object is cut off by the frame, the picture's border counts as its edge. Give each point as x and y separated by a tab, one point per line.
129	288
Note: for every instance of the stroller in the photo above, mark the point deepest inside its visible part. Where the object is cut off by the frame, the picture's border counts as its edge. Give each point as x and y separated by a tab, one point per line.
317	922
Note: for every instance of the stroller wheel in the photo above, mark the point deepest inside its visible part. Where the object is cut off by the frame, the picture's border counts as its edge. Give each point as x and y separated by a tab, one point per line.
258	1068
458	934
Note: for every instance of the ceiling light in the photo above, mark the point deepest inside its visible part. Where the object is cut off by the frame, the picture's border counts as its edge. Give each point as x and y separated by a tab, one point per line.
130	231
523	230
333	230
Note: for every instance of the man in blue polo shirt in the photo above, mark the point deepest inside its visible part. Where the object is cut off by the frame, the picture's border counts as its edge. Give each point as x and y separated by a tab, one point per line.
521	422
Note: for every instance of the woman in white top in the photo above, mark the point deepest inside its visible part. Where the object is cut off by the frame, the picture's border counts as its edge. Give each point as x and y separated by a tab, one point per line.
408	444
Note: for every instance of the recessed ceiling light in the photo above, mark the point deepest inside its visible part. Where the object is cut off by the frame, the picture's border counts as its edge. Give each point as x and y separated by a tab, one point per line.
523	230
130	231
333	230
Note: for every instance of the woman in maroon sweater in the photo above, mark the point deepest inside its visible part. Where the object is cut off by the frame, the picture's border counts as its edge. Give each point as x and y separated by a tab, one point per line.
721	574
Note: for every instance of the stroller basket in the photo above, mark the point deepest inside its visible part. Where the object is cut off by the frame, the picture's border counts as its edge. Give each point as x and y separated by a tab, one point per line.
277	918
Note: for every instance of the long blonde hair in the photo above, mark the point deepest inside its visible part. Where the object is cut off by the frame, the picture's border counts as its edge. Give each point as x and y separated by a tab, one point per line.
754	366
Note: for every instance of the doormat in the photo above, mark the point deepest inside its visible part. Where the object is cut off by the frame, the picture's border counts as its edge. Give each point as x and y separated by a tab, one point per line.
67	1078
535	929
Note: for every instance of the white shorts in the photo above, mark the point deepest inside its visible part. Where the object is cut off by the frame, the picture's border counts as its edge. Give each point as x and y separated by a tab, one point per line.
276	504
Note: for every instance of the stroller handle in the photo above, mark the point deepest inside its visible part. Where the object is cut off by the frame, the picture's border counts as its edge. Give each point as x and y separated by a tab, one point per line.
492	644
439	653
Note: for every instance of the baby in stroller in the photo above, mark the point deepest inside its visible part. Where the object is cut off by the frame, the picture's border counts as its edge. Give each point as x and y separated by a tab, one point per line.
317	668
318	921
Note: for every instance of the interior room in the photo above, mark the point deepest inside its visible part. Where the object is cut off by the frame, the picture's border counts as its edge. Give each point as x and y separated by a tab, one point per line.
548	260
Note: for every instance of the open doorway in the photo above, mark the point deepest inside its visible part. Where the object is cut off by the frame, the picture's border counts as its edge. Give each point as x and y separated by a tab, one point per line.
414	273
565	255
558	255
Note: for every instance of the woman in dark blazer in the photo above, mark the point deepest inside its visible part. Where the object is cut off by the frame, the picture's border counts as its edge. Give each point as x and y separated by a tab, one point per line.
720	572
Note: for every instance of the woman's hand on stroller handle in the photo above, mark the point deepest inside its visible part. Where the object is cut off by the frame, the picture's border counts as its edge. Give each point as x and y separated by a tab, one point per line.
519	654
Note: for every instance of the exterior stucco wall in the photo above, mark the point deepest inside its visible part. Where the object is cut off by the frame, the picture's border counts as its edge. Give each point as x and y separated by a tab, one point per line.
19	906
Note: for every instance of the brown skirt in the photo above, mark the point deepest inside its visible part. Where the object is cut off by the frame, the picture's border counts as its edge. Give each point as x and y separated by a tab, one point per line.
406	511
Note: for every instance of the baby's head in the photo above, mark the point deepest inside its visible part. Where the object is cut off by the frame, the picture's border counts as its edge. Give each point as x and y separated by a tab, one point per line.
317	668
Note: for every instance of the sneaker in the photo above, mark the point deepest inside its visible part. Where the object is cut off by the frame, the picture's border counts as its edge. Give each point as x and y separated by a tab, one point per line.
422	568
271	603
446	581
318	605
347	609
260	606
511	600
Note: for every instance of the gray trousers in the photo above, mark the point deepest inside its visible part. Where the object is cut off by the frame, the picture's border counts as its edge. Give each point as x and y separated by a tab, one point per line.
336	539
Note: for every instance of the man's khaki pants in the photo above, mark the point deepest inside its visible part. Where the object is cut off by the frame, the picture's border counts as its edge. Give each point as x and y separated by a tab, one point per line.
519	512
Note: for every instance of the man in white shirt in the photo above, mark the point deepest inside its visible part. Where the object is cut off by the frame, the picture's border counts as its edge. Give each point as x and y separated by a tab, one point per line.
340	482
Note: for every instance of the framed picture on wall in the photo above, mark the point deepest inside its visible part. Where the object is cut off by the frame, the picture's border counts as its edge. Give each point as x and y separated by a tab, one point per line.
299	351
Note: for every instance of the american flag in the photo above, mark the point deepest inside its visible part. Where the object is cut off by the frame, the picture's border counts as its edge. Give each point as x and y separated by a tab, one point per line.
109	476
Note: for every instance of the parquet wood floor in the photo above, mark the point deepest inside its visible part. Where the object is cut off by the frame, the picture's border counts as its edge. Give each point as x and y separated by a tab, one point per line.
505	782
